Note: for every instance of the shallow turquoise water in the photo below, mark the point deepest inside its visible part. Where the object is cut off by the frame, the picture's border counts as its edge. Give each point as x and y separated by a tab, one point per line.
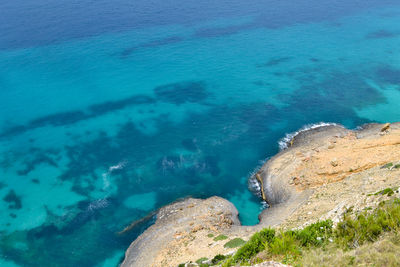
110	112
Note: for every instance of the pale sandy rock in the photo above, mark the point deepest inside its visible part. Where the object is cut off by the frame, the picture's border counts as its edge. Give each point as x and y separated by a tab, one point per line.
170	240
324	172
271	264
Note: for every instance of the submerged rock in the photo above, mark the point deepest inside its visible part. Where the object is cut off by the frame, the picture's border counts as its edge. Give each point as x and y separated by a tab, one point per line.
13	200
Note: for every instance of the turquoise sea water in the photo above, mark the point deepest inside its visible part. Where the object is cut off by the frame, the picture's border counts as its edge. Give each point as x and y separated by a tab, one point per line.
112	110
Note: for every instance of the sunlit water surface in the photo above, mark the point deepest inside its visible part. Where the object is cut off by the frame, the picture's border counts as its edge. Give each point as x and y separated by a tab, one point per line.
112	109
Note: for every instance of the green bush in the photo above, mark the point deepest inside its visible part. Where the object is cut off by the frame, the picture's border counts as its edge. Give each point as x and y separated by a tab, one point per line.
257	243
387	165
220	237
210	235
314	234
386	191
199	261
218	258
351	232
285	244
234	243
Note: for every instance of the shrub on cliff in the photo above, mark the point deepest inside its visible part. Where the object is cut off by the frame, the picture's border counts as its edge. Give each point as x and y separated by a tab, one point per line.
234	243
218	259
315	234
220	237
257	243
353	232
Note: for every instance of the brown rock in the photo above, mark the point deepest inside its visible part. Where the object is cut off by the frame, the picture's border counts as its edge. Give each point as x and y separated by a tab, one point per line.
197	228
385	127
174	231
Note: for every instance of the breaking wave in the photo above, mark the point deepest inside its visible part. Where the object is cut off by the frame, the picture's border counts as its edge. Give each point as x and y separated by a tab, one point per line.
285	141
105	176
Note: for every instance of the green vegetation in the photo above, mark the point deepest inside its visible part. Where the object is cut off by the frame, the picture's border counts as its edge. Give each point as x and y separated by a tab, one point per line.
384	252
234	243
387	165
386	191
367	238
316	241
256	244
217	259
220	237
200	261
397	166
367	227
210	235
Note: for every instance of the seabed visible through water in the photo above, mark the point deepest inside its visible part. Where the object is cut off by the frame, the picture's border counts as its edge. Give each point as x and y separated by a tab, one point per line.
104	121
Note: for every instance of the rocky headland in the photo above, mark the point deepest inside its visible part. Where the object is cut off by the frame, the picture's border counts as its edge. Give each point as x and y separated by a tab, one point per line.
322	172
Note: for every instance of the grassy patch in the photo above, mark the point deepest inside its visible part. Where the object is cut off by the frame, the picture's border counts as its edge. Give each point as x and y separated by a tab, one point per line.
234	243
220	237
256	244
387	165
384	252
367	227
210	235
354	231
200	261
217	259
386	191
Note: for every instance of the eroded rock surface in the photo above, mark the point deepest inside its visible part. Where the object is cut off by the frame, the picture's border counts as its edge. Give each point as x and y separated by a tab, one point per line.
170	240
323	156
323	172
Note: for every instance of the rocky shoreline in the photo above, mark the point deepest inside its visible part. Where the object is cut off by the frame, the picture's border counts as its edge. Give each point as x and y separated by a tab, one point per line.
323	171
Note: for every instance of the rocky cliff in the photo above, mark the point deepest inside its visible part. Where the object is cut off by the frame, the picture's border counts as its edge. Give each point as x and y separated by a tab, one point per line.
321	173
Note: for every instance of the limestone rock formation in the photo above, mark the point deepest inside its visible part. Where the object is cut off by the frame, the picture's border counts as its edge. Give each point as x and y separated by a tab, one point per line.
178	224
322	172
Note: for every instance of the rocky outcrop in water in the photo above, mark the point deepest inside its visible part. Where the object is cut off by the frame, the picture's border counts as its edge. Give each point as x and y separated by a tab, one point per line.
178	225
322	172
323	156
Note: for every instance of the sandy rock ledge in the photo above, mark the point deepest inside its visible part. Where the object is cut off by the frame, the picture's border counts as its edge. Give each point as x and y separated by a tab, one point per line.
322	172
171	238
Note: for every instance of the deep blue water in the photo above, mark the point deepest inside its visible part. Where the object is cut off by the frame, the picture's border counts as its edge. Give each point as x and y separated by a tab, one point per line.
112	109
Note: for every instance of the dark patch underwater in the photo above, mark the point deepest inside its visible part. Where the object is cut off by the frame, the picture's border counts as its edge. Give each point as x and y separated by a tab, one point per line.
388	74
382	34
176	93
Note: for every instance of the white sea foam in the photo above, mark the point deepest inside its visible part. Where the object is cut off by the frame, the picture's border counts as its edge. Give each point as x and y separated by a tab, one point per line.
119	166
284	142
106	181
98	204
167	164
253	184
105	176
